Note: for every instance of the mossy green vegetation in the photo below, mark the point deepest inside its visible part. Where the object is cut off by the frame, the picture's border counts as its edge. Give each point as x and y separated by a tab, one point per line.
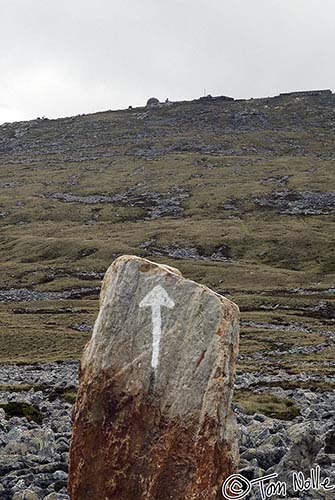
20	409
70	396
266	404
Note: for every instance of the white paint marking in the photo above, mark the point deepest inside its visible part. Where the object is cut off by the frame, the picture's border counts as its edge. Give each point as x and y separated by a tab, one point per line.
156	299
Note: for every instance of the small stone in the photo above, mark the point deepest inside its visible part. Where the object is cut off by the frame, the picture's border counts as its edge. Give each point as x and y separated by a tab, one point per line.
20	485
259	418
26	495
323	460
60	475
262	436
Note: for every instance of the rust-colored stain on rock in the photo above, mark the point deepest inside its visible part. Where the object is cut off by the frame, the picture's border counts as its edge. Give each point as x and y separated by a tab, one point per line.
140	454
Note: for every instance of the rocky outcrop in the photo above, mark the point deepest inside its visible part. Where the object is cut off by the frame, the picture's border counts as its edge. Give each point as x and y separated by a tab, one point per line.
153	417
153	101
307	93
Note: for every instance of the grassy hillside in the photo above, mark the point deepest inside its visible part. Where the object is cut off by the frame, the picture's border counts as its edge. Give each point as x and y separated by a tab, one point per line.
238	195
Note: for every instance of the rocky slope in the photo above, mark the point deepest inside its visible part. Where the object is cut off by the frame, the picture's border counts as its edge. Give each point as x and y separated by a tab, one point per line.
239	195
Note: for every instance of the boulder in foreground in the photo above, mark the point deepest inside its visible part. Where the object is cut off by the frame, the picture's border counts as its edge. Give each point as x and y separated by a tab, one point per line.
153	417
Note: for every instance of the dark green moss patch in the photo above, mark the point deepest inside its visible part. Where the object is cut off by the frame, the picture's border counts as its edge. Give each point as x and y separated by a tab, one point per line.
20	409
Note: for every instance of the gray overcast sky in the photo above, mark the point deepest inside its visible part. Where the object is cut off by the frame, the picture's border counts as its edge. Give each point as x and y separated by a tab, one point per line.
65	57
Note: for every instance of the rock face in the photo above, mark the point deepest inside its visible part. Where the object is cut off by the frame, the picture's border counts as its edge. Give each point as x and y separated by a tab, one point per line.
153	417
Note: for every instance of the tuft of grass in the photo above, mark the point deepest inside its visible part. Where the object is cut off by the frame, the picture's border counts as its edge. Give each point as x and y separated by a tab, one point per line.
266	404
70	396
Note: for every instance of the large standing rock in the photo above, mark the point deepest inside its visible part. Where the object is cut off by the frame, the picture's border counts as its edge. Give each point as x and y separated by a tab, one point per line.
153	416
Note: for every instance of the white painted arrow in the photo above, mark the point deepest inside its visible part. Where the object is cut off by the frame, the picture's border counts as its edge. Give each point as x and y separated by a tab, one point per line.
156	299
